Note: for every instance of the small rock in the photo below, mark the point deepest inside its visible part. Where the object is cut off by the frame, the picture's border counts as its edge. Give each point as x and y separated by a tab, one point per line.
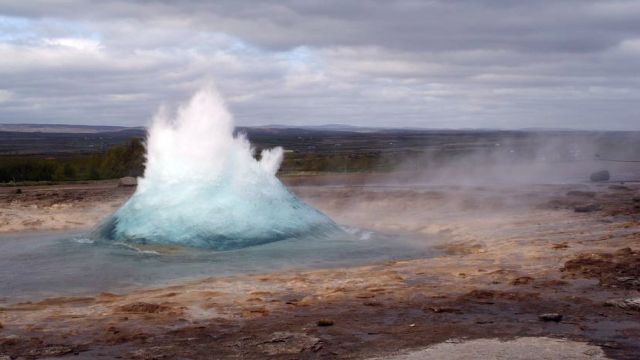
18	191
624	251
550	317
285	342
619	187
372	303
325	322
51	351
587	208
152	352
127	181
578	193
443	309
610	345
481	296
522	280
625	304
454	341
602	175
629	281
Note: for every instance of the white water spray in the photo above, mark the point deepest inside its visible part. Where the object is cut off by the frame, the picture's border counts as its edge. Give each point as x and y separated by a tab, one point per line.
202	187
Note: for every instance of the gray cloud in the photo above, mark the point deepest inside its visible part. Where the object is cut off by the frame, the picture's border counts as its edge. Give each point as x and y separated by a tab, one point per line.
459	63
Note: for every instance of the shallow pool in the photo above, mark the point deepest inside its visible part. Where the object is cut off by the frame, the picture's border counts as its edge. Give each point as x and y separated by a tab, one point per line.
60	264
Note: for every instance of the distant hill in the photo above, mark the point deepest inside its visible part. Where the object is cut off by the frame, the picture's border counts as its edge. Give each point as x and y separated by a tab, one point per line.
58	140
326	127
277	128
45	139
61	128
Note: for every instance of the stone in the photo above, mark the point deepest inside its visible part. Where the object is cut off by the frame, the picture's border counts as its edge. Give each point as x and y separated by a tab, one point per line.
619	187
587	208
624	251
560	246
522	280
285	342
371	303
550	317
51	351
598	176
625	304
578	193
443	309
628	281
127	181
325	322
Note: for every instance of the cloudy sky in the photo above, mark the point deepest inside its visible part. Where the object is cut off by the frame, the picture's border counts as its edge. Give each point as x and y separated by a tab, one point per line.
432	64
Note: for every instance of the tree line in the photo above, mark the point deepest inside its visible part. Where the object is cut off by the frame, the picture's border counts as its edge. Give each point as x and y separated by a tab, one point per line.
122	160
128	160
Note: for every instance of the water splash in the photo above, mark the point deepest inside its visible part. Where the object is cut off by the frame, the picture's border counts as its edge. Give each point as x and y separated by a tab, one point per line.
202	187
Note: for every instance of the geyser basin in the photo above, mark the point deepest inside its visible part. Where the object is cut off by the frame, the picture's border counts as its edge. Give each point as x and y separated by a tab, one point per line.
203	187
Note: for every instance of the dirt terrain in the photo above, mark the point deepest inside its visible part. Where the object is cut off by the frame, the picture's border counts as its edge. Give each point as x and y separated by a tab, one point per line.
59	207
541	262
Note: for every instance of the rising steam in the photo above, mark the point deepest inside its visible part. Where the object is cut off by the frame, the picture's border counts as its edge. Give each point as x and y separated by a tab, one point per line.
202	187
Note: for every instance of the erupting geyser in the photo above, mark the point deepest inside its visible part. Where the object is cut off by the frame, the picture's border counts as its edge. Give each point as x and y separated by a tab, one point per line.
202	187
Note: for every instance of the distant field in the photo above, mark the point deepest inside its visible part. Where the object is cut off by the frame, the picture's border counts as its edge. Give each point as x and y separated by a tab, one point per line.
42	154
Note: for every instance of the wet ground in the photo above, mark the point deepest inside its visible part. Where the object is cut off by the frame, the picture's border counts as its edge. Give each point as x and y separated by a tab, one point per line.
522	261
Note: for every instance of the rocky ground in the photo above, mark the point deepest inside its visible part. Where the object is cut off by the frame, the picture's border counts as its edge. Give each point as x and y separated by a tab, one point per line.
551	267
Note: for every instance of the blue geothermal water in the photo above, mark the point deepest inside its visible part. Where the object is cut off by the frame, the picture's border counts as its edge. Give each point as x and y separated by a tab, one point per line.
203	188
35	266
